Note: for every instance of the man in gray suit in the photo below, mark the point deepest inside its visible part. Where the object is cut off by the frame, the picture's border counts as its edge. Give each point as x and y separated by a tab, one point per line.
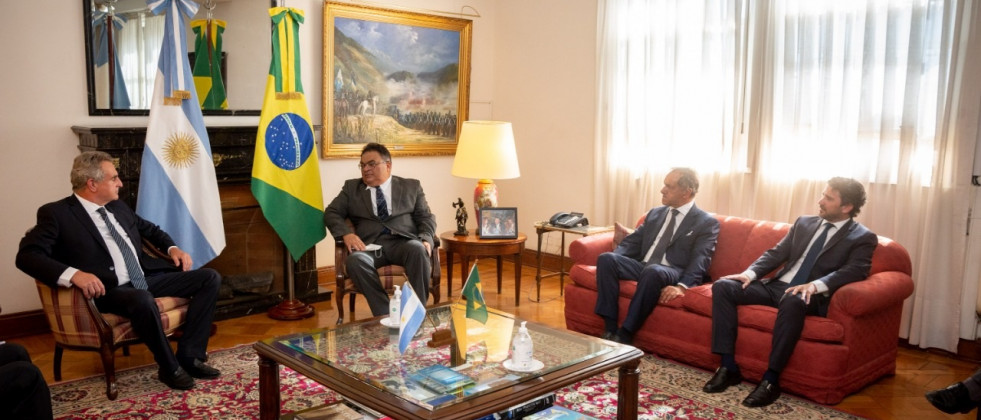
388	211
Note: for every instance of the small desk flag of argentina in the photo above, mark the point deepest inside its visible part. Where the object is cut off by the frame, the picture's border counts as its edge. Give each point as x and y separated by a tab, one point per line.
178	187
476	309
286	172
413	313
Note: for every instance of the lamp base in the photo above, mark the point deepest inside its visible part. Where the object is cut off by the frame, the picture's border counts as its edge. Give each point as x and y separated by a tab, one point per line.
484	196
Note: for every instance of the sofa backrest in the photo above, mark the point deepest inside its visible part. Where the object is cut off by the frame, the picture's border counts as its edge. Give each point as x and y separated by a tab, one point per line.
742	241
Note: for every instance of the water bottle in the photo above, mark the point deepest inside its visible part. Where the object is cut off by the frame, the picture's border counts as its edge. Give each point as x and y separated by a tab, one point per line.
395	308
522	349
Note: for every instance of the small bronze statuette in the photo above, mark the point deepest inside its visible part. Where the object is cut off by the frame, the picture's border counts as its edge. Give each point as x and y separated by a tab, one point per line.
461	218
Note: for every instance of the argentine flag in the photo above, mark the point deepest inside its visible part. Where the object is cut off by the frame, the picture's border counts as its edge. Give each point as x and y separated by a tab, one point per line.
413	313
178	187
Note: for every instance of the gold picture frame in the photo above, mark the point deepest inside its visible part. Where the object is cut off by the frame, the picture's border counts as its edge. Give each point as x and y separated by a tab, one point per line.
394	77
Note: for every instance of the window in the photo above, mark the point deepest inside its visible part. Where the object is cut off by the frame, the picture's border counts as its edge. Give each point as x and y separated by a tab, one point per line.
789	89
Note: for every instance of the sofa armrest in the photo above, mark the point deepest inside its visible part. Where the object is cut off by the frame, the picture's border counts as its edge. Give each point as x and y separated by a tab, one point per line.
876	293
586	250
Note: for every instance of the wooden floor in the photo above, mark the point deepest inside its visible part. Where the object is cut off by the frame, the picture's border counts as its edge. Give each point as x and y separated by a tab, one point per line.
897	397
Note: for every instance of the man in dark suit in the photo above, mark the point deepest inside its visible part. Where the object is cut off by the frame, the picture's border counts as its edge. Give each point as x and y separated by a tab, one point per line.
92	241
960	397
384	210
666	255
23	392
819	255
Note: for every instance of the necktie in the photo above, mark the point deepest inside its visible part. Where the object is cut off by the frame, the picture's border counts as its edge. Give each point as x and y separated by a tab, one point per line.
657	254
811	257
132	265
381	203
382	207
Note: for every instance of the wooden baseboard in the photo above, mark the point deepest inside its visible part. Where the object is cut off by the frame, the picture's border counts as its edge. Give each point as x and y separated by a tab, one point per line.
22	324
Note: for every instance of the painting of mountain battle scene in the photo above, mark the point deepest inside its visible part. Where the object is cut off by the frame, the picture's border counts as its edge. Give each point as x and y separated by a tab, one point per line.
397	78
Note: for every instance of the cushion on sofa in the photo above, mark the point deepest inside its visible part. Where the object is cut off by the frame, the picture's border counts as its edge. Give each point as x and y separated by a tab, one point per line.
619	232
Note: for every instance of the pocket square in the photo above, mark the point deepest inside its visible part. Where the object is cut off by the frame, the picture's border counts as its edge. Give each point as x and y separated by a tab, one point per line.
690	232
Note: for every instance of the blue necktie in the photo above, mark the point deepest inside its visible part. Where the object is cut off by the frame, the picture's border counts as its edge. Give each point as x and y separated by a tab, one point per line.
662	245
811	257
381	203
382	206
132	265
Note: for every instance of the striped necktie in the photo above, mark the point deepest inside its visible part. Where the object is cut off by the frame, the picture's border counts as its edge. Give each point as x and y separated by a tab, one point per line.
132	265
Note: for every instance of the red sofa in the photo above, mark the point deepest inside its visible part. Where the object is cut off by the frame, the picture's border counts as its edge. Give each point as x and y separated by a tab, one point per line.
854	346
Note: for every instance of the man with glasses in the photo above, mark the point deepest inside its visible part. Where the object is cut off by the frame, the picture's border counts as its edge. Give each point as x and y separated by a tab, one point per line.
388	211
94	242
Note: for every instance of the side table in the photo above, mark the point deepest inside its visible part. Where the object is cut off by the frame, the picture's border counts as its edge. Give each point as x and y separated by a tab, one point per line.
544	227
472	246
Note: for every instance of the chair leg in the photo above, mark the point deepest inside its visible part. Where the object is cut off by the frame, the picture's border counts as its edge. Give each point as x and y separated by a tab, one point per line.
350	307
109	365
339	300
57	361
126	350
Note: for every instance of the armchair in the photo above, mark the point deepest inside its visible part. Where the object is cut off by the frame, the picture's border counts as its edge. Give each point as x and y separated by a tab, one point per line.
77	324
343	286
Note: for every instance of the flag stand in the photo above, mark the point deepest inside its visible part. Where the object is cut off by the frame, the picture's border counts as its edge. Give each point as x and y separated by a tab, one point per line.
290	309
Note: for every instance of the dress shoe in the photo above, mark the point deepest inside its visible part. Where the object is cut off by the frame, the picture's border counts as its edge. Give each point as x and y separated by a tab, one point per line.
198	369
178	379
608	335
623	339
952	399
764	394
722	379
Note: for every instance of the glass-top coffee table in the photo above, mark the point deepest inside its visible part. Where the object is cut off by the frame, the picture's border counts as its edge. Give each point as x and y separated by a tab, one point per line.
361	361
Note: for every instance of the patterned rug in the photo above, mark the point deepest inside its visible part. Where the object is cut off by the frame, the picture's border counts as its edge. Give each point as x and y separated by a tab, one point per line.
667	391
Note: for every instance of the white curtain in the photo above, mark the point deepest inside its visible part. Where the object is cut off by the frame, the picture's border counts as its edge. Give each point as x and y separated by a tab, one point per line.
667	72
139	49
860	88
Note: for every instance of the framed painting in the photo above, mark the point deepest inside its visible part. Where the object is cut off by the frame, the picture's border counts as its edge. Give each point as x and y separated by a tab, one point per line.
393	77
498	223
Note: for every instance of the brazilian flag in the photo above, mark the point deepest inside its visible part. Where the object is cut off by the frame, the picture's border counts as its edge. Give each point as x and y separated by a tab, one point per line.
285	174
207	63
476	308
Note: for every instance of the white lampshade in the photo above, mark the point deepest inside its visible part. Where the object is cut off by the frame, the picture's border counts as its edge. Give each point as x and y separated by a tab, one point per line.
486	151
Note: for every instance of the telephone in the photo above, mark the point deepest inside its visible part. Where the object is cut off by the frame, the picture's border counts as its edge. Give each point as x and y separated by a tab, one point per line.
568	220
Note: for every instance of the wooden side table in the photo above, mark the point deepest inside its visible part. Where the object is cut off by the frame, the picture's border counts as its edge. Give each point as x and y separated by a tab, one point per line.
472	246
544	227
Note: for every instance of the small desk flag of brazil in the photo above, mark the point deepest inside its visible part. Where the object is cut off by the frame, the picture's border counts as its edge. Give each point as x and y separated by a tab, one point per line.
178	187
476	308
286	173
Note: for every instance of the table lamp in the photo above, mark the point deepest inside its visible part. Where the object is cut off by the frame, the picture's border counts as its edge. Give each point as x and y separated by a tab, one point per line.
486	152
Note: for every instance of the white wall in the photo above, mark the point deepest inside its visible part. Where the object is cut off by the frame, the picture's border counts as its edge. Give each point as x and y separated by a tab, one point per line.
532	64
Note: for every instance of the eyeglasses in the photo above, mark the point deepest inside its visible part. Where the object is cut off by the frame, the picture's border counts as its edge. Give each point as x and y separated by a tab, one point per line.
370	165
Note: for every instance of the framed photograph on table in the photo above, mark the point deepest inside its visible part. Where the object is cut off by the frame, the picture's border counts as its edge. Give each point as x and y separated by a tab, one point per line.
393	77
498	223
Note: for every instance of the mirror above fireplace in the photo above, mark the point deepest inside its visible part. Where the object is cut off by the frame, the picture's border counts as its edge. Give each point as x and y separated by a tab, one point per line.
136	36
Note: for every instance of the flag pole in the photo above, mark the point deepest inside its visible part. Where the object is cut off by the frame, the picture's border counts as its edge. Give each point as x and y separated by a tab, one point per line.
290	309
